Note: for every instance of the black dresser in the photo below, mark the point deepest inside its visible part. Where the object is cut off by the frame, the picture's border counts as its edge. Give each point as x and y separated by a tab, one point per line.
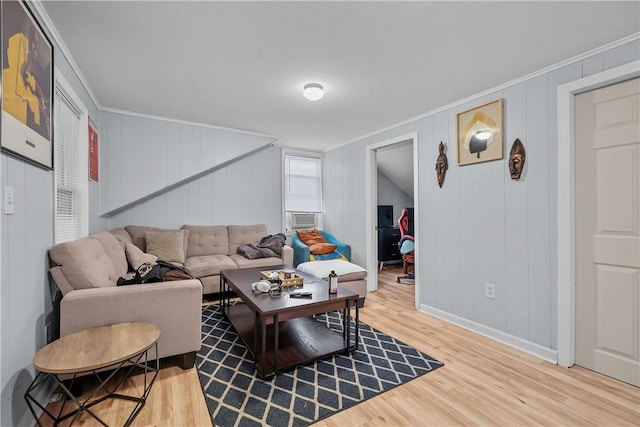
388	239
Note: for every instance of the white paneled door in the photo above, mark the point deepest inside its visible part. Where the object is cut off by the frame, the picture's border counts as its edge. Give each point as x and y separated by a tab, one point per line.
607	135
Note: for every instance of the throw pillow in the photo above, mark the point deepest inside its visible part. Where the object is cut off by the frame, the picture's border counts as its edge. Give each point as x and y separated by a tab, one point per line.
136	257
310	237
314	241
166	245
322	248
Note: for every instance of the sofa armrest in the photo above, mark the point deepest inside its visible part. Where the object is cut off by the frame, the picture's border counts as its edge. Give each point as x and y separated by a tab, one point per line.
343	248
175	307
287	255
300	250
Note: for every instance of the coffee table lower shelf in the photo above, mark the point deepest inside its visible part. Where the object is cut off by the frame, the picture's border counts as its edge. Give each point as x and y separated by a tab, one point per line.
300	340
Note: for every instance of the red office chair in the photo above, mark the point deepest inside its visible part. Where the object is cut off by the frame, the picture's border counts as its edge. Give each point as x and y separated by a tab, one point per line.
405	224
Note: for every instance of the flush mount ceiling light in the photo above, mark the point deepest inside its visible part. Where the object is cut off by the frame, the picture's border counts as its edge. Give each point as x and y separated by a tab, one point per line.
483	134
313	91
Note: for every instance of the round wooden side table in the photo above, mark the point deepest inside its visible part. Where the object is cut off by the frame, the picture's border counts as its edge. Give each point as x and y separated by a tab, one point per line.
111	349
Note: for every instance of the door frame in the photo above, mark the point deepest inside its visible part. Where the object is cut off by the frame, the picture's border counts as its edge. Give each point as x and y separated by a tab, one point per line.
371	200
566	201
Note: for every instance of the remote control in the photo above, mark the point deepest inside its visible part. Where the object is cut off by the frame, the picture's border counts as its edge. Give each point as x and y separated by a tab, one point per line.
302	294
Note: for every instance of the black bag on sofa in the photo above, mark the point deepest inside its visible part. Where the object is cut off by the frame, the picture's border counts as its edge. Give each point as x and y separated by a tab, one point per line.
160	271
171	272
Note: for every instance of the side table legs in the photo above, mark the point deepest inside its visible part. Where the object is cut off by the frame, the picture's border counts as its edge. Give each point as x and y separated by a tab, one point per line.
139	361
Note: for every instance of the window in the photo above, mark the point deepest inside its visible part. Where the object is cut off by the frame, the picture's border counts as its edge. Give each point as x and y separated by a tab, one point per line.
303	189
70	164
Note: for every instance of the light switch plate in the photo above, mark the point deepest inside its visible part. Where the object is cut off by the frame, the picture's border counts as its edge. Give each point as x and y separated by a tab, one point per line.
9	201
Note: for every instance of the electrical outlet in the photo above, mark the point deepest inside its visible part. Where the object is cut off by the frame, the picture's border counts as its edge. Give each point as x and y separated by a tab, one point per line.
490	290
9	200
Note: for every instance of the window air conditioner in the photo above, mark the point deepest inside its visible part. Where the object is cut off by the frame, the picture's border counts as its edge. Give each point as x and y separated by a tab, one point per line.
303	220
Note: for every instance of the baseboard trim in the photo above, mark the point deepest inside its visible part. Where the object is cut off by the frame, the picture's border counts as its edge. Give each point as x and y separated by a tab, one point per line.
518	343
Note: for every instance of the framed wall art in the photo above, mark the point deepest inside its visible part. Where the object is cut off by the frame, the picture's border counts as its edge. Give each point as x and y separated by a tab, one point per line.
480	133
94	159
27	86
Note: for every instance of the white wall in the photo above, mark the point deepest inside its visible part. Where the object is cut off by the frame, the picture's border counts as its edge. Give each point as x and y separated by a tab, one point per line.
391	194
481	226
245	192
26	303
146	156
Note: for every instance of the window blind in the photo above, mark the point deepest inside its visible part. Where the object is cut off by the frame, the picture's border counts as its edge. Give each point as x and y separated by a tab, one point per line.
67	140
303	184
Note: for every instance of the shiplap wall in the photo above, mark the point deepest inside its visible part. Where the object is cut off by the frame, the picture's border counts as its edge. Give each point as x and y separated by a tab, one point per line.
481	226
145	155
248	191
26	236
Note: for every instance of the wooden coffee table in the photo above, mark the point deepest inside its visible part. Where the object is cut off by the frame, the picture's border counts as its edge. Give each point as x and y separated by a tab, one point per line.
280	331
120	347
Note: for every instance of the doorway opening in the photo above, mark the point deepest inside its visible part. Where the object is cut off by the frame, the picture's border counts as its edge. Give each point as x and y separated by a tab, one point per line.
392	181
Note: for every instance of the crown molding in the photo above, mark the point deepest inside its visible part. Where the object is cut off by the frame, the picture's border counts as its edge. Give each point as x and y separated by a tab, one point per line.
503	86
185	122
46	20
53	32
55	35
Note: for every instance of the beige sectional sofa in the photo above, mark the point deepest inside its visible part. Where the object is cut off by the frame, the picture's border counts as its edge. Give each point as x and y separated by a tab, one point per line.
214	248
87	270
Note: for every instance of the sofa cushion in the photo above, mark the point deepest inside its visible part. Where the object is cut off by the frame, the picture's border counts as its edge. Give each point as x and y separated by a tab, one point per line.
207	240
136	257
167	245
84	263
122	235
114	250
138	234
209	265
244	234
242	262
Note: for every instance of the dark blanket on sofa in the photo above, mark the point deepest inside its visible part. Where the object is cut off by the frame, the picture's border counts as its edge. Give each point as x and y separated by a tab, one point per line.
269	246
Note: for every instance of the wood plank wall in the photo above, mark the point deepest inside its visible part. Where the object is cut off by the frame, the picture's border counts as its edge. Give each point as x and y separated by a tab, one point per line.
145	155
26	302
245	192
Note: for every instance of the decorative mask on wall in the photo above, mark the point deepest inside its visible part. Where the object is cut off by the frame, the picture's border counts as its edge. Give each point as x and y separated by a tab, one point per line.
442	164
517	157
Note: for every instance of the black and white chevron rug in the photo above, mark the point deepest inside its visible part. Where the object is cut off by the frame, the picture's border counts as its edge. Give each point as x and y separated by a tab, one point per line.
235	396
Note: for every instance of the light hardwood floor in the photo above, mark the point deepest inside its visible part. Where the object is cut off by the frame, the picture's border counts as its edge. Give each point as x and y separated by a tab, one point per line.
482	382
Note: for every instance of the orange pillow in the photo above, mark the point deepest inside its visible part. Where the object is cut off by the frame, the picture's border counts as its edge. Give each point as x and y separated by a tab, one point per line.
303	235
322	248
307	236
314	240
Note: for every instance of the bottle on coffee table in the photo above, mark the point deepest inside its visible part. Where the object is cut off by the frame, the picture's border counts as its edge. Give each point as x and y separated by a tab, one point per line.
333	282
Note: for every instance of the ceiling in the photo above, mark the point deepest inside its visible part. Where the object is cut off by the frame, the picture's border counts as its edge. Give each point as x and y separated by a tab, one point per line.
242	65
396	163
